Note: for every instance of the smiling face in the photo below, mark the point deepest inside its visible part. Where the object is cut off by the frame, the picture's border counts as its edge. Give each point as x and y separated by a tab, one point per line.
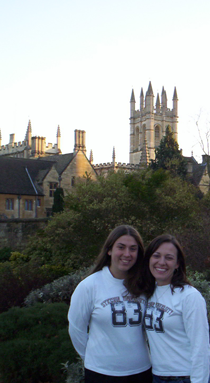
163	262
123	254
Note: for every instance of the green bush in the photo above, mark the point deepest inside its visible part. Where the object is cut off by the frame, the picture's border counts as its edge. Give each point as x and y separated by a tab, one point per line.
75	372
5	254
35	344
18	279
59	290
199	281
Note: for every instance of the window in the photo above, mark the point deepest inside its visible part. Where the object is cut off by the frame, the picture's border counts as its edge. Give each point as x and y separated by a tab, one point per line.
38	203
9	204
53	187
157	136
29	204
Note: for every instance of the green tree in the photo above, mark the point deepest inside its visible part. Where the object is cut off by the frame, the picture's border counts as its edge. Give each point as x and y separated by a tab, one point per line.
58	202
168	156
151	201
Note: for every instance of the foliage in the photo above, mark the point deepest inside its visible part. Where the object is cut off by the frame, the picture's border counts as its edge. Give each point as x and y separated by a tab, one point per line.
59	290
168	156
74	237
75	372
18	278
18	258
5	254
152	201
58	202
199	281
35	344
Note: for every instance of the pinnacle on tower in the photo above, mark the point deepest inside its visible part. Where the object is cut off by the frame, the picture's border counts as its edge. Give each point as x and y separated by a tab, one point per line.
158	102
58	132
91	156
29	126
150	90
141	99
132	96
163	99
28	134
113	155
175	94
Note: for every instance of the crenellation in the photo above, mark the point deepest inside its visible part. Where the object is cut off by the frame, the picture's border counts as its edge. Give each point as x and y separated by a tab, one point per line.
32	147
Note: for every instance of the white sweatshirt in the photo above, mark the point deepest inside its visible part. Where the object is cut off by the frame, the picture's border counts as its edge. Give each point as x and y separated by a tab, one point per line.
115	344
178	333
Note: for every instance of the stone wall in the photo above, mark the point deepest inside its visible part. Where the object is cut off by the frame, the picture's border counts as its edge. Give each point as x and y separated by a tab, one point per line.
14	233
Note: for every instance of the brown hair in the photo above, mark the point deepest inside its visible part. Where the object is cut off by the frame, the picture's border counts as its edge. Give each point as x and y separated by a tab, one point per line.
179	278
133	277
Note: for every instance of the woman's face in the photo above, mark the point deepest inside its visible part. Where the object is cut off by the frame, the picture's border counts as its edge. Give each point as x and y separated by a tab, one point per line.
123	254
163	262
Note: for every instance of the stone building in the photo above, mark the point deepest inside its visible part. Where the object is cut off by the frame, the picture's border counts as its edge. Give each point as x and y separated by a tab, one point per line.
148	123
27	185
31	147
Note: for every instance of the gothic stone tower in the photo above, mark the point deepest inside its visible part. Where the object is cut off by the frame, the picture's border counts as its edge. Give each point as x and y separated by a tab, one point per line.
148	125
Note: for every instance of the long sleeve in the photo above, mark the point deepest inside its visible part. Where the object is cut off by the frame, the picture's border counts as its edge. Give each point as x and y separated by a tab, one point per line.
79	317
196	327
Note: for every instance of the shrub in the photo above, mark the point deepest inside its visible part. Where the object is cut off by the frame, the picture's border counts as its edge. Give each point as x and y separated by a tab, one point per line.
201	284
18	278
59	290
5	254
75	372
35	344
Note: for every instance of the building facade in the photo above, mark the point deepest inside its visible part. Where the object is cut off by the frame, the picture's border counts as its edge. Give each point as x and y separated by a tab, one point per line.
31	147
148	123
27	186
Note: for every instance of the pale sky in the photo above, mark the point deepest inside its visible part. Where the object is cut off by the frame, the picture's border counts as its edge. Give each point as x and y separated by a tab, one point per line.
74	63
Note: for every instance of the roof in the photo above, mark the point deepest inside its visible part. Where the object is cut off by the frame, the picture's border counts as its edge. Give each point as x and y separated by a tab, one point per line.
198	170
19	174
61	161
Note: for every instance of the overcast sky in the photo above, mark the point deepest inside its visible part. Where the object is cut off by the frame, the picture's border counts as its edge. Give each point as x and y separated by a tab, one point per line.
74	63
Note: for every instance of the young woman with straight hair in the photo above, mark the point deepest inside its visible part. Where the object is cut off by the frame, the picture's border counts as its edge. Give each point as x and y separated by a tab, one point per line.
106	313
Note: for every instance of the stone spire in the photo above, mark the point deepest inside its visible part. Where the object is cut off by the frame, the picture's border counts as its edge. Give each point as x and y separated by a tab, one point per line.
164	99
175	103
158	104
149	99
132	104
141	100
91	157
150	90
28	134
132	96
58	136
113	156
58	132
